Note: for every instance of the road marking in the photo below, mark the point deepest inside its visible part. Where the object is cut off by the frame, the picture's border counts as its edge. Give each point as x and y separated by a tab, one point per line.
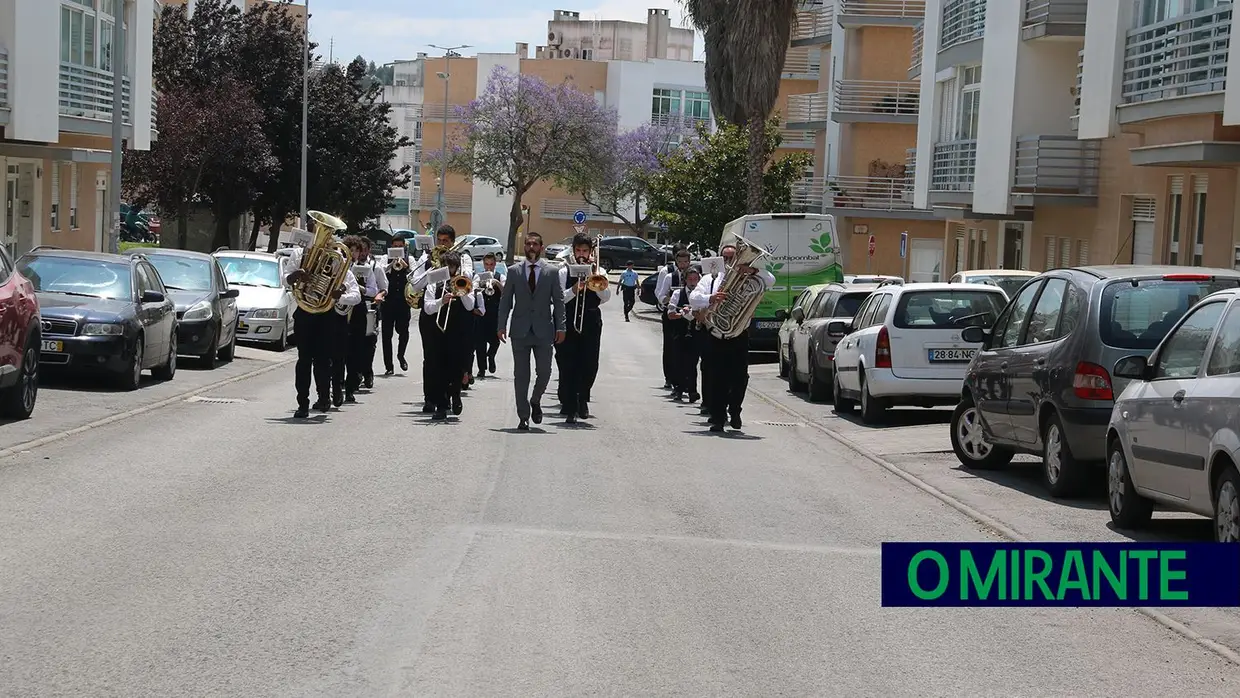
662	538
999	529
51	438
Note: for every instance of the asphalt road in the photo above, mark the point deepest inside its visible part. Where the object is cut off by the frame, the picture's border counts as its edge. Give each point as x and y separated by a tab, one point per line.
222	548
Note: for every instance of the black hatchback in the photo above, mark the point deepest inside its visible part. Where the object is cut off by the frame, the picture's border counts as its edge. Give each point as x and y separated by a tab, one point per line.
103	312
206	307
615	252
1043	381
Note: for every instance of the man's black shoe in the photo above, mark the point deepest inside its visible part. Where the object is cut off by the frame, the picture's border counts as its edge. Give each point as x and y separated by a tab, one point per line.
716	427
388	372
348	397
338	398
626	318
536	412
523	426
322	405
676	395
457	406
427	408
369	382
302	412
491	365
694	397
667	386
736	421
570	419
404	365
440	415
584	411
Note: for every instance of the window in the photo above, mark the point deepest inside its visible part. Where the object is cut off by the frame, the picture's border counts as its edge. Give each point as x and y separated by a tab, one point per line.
183	273
73	196
865	312
880	312
946	309
55	196
78	276
666	104
1045	318
1175	207
1225	357
697	106
1008	330
1182	354
970	102
1073	309
86	32
1139	316
6	267
848	303
1199	225
240	271
822	305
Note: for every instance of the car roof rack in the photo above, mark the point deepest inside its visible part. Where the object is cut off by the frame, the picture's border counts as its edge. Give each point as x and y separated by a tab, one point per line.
891	282
43	247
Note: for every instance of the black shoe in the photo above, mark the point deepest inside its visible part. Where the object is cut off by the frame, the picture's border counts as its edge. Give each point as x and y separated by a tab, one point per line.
736	421
584	411
667	386
704	410
388	372
302	412
716	428
563	411
427	408
676	395
440	415
348	397
523	426
338	398
482	374
491	365
570	419
457	406
626	318
322	405
536	412
404	365
369	382
694	397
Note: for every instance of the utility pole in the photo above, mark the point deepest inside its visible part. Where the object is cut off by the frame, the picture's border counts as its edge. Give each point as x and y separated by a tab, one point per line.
439	215
118	125
305	119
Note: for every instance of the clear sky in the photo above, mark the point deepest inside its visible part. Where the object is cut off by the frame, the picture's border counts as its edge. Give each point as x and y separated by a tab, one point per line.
385	30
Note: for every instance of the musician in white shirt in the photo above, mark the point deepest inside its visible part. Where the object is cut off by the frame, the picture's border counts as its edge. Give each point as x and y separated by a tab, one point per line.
486	343
728	358
670	276
444	237
319	339
579	352
373	284
682	314
451	349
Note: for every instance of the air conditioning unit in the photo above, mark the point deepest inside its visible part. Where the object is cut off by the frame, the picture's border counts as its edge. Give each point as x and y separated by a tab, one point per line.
570	53
554	38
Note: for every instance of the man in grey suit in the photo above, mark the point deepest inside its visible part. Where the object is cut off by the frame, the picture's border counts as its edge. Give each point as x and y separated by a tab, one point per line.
534	299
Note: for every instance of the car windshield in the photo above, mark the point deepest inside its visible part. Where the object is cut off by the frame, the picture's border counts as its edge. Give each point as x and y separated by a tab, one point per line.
182	273
1009	284
242	271
947	309
848	303
78	277
1138	314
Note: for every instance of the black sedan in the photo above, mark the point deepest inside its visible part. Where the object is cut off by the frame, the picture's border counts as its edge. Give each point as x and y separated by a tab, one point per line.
206	306
103	312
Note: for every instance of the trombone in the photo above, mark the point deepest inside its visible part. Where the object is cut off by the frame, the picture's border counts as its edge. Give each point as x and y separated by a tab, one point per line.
457	287
594	281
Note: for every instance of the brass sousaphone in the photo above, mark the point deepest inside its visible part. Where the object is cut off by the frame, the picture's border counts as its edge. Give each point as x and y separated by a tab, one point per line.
325	263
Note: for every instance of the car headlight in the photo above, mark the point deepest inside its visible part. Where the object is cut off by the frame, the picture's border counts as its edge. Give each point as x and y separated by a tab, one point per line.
198	311
102	329
265	314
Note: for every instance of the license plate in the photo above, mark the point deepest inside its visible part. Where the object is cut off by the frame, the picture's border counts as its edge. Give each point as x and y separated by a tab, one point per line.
767	324
951	356
53	346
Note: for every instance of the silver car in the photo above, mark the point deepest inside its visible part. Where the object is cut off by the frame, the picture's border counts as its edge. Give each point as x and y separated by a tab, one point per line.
265	306
1174	435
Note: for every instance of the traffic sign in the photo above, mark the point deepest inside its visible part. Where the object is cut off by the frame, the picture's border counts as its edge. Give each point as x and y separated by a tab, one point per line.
579	229
872	245
579	217
663	227
903	245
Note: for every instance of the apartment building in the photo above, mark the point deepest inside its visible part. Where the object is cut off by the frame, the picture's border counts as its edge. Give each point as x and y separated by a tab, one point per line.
569	36
1060	132
56	96
863	118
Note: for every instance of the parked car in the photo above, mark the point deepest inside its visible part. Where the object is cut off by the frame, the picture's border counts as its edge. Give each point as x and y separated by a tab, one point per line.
1010	280
479	246
872	279
554	250
787	324
265	305
615	252
649	284
905	347
19	341
1174	433
1043	383
811	355
206	306
103	312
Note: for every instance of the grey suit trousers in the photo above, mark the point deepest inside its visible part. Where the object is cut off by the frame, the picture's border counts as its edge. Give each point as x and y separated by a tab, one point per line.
521	374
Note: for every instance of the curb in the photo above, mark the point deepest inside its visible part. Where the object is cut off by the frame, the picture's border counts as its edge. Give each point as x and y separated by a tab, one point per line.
181	397
995	527
648	317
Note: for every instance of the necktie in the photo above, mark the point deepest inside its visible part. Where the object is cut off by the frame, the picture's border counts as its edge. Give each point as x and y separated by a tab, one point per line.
533	277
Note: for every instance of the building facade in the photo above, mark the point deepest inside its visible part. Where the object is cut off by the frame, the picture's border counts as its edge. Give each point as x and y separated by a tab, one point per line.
56	96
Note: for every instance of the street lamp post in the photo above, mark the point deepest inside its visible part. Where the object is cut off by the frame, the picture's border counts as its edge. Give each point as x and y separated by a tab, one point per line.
118	125
439	215
305	118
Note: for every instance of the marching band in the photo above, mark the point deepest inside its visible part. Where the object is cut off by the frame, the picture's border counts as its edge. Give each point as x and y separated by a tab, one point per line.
347	300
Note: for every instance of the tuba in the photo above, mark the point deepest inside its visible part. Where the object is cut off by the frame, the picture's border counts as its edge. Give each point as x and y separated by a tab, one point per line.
732	316
326	264
413	296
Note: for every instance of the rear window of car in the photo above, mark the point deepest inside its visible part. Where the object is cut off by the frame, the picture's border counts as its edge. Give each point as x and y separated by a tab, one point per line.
1138	314
945	309
848	303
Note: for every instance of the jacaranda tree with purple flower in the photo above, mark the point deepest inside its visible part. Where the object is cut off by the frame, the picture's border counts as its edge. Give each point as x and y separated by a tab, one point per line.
522	131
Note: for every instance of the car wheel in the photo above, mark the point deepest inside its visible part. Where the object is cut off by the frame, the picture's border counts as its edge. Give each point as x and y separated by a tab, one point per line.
1227	506
131	378
17	401
1060	470
819	390
608	263
783	362
282	342
871	409
969	440
210	359
229	352
169	370
1128	508
794	383
842	404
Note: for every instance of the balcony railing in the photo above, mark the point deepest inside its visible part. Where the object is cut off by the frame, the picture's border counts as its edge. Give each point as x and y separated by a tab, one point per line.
798	139
954	165
877	97
1054	12
566	208
1176	57
910	166
454	202
814	24
802	62
4	77
914	66
88	92
869	193
689	123
963	20
433	112
1076	95
808	108
878	10
1056	165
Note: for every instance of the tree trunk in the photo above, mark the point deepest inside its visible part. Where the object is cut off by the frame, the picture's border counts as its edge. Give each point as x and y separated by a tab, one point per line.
258	223
757	163
223	234
183	224
515	220
637	216
273	231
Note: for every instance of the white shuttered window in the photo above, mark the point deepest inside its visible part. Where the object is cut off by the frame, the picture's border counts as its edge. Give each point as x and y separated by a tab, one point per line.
55	196
73	195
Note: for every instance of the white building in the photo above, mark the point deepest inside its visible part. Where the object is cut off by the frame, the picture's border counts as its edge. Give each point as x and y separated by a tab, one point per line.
405	94
568	36
56	92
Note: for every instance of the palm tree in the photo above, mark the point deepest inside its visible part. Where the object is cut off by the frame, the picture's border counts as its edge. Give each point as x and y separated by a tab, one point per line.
746	45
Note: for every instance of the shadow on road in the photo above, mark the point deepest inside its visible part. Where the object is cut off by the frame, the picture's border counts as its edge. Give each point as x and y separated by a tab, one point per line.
894	419
312	419
1164	530
1026	478
514	430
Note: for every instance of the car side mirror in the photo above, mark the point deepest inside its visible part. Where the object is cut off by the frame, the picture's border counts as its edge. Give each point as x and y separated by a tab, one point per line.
152	297
974	334
838	328
230	293
781	314
798	314
1133	367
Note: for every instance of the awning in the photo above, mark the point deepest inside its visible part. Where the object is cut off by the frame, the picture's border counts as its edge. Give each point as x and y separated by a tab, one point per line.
1191	154
55	152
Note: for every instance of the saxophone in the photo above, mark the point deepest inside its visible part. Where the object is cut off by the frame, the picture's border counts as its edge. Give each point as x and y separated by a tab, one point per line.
326	264
414	297
733	315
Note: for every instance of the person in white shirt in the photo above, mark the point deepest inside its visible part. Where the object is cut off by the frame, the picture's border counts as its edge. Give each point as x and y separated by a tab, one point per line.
680	312
579	353
670	276
451	349
444	237
486	343
728	358
373	284
318	337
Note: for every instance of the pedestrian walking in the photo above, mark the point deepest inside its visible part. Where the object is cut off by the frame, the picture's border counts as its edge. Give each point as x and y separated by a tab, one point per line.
628	288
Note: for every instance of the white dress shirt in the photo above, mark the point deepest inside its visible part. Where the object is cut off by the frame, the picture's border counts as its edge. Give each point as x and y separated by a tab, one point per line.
375	279
352	294
707	286
424	265
675	306
495	276
433	299
571	292
664	284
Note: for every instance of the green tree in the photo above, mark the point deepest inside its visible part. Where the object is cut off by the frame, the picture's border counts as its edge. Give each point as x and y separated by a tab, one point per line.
702	187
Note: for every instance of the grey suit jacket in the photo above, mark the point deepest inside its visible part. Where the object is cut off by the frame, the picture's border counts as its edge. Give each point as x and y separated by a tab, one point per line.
535	317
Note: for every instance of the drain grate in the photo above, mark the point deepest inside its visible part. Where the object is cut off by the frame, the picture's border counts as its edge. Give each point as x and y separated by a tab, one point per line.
782	424
216	400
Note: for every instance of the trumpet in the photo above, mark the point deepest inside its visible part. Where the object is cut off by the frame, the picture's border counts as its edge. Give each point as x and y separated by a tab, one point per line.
397	265
457	287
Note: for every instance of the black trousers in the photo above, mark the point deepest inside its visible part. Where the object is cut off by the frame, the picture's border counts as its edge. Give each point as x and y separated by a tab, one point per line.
630	299
395	320
579	367
687	353
486	341
729	376
314	357
450	357
671	331
361	349
429	333
339	349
